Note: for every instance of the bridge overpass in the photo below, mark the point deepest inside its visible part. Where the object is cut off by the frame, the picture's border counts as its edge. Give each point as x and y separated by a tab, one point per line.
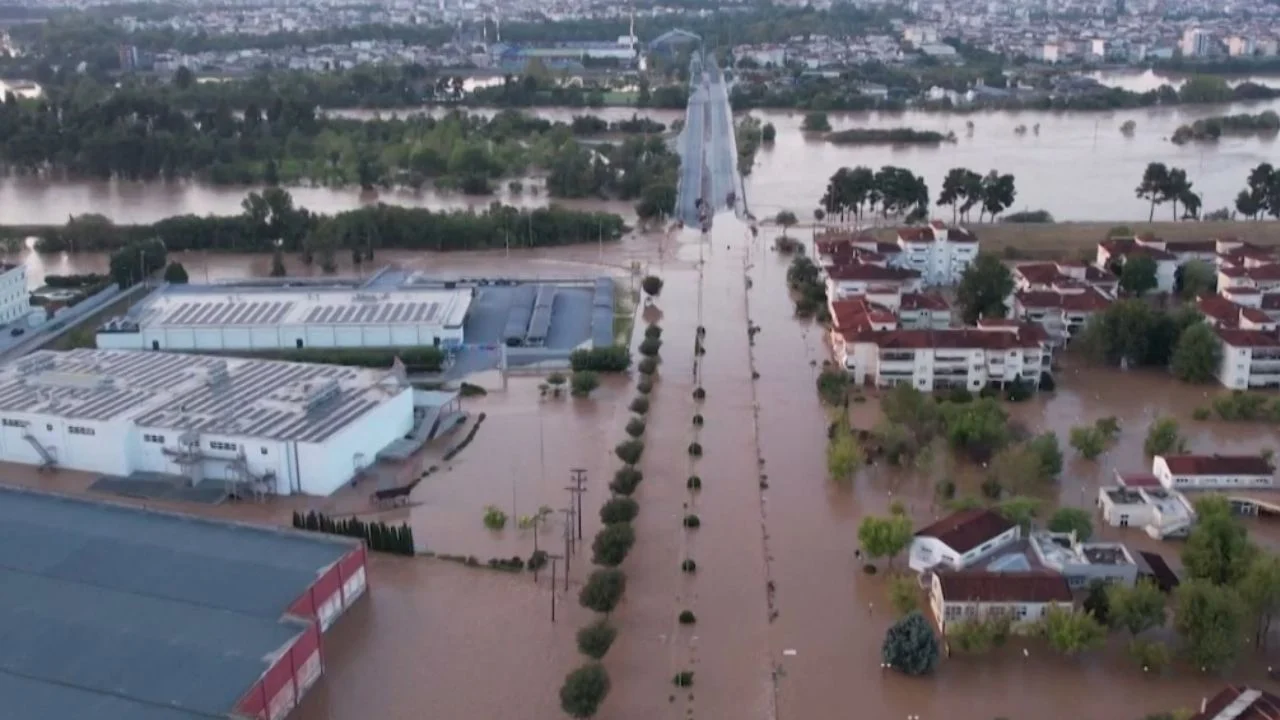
709	181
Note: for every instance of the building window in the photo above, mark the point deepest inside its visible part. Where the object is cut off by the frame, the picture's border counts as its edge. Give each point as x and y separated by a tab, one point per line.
14	423
952	612
158	439
216	445
76	430
1022	612
263	451
49	427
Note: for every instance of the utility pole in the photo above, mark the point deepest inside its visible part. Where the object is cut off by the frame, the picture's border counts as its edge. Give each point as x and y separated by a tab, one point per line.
578	476
554	559
568	542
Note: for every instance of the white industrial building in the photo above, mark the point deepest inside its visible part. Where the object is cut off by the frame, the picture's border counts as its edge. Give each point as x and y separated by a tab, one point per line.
260	426
213	318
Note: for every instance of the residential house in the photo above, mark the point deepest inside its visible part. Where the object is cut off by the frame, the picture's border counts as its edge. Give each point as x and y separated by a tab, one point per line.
1263	278
969	358
1213	472
886	308
960	539
969	595
1082	563
1250	358
1240	702
1160	512
1114	252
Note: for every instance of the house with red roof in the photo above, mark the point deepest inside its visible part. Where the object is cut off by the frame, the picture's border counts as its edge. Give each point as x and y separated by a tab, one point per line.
1062	312
960	539
1213	472
1022	597
1240	702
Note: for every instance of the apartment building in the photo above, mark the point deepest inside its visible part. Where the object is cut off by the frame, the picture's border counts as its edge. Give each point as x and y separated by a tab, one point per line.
1264	277
1213	472
1063	277
1221	312
886	308
1062	312
1250	358
846	281
1082	563
1169	256
940	254
971	595
970	358
15	298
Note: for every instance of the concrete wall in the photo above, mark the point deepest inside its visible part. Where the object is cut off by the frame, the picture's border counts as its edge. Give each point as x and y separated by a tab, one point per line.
325	467
78	445
282	337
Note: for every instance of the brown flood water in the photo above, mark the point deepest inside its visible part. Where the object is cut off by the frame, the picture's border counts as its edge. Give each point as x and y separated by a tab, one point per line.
438	640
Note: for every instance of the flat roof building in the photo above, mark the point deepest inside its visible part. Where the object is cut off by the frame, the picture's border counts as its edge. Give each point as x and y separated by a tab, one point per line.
210	317
259	426
118	613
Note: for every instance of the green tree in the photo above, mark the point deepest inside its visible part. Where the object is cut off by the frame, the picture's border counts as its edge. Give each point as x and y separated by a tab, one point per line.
816	122
612	543
594	640
984	287
1150	655
183	78
1098	602
979	428
1260	590
1210	620
619	510
1137	608
1071	632
583	382
603	590
652	285
1218	550
904	594
1164	437
1194	279
136	261
768	133
1069	519
1154	180
976	636
1019	510
997	194
583	690
1197	355
175	274
1138	275
1087	441
884	537
844	454
957	187
1049	453
785	219
910	646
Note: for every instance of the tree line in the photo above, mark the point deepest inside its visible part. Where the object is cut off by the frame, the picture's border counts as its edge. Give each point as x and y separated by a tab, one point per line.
1162	184
270	222
897	192
143	135
1261	195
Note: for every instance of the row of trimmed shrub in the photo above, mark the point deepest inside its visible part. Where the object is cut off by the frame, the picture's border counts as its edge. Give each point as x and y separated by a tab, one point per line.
462	445
378	536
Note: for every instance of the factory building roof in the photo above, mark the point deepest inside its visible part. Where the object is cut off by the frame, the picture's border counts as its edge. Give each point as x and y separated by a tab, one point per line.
214	306
225	396
114	613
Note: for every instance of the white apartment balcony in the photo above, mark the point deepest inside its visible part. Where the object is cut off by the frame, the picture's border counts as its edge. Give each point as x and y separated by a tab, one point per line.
897	356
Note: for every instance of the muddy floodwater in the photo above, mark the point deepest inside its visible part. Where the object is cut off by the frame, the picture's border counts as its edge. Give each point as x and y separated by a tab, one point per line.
788	626
1078	166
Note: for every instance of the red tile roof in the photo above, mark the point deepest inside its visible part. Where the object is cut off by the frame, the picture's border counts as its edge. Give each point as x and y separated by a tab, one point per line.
857	313
1088	301
1219	308
961	235
1137	479
1247	338
915	234
924	301
965	530
1265	272
1254	315
1217	465
859	271
1265	707
1192	246
986	586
